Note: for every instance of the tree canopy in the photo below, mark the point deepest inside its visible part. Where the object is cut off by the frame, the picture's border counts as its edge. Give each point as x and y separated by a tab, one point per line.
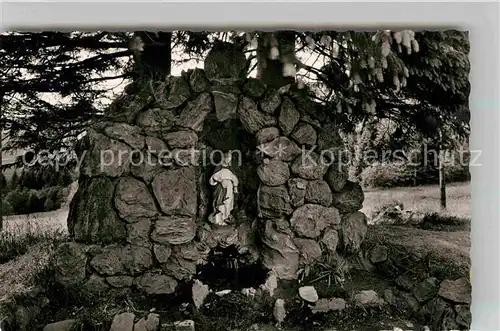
54	84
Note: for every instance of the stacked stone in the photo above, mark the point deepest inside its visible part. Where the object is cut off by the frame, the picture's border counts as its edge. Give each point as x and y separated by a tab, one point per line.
307	206
143	224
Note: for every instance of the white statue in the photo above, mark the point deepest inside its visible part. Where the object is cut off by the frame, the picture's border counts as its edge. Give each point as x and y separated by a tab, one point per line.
226	186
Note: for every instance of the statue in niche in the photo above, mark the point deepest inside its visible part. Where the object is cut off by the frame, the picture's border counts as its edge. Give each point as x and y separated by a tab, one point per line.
226	186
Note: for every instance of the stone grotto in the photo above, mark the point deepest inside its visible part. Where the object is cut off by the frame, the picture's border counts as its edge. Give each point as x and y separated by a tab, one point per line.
140	220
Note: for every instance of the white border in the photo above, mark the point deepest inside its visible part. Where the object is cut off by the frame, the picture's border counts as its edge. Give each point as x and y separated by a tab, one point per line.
480	18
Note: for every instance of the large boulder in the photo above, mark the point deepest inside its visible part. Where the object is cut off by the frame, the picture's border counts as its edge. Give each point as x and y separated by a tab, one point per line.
194	114
274	201
70	263
175	191
123	322
66	325
120	281
304	134
190	251
178	94
162	252
152	283
330	142
122	260
149	323
318	192
156	120
92	217
226	105
289	116
280	253
225	60
155	146
266	135
181	139
309	166
309	250
310	220
280	148
297	188
198	81
174	230
252	118
354	228
337	176
221	236
133	200
271	101
138	233
330	239
96	285
179	267
148	169
426	290
273	172
255	88
350	199
105	156
129	134
458	290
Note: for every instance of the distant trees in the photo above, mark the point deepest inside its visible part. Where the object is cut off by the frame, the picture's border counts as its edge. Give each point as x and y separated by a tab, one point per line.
35	190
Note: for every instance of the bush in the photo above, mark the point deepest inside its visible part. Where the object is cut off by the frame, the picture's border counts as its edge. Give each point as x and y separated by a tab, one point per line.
18	199
7	208
34	201
387	175
49	205
56	194
392	175
457	173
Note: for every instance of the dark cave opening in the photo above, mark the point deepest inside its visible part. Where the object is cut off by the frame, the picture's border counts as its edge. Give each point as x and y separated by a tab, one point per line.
227	270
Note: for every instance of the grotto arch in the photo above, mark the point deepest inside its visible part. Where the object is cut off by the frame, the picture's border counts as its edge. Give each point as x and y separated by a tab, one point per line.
143	225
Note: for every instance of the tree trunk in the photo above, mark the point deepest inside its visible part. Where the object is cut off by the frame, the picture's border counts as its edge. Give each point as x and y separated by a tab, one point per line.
155	60
442	179
271	70
1	160
359	149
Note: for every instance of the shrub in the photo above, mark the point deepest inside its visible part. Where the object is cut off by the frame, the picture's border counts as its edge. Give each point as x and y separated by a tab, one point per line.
34	202
457	173
7	208
55	194
388	175
49	205
392	175
18	199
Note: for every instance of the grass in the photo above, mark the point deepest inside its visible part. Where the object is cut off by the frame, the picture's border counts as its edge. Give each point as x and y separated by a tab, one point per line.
424	199
46	222
18	238
25	274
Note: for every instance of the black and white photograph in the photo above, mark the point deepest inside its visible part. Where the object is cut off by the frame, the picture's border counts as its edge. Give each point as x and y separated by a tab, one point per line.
235	180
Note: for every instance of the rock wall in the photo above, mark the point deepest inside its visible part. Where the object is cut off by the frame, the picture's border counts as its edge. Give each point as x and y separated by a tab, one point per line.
143	225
